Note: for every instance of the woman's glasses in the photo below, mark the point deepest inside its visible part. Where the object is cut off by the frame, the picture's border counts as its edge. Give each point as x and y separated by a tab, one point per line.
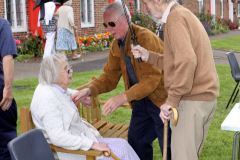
68	70
112	24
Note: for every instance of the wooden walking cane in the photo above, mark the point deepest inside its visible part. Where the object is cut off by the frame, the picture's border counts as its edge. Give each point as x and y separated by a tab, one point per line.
79	45
165	136
112	155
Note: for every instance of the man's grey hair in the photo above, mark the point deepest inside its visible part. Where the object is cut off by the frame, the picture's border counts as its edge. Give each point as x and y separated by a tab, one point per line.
50	69
117	8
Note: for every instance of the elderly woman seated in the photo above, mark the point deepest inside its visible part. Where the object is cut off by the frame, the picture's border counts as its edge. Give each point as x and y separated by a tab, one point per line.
54	112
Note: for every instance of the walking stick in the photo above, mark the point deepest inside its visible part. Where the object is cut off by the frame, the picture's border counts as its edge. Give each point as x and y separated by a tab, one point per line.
112	155
133	37
79	45
165	136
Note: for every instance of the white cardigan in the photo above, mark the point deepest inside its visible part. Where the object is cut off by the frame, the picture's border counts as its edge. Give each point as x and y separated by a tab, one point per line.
55	114
66	16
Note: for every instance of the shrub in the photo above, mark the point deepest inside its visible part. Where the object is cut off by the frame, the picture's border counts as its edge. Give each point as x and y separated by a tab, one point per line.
206	26
143	20
33	46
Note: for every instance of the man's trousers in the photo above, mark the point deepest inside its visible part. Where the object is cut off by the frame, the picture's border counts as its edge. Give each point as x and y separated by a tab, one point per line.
8	131
50	45
190	133
145	127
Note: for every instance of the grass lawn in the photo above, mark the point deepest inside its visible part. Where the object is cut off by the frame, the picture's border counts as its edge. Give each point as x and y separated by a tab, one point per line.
218	145
231	43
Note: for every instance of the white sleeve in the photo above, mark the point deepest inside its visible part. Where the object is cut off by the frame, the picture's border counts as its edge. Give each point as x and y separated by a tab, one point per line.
53	123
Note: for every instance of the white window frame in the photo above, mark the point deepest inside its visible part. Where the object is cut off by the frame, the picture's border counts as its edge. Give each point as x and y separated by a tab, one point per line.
138	4
16	28
200	9
221	5
86	23
238	9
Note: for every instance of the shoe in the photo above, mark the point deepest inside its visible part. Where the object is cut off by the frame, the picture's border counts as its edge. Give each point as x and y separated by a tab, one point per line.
76	57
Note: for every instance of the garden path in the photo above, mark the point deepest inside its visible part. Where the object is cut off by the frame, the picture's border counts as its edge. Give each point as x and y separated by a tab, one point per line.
95	60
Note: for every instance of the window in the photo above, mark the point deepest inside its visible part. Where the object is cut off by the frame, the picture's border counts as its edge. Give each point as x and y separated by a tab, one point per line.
15	13
137	5
200	6
87	13
221	4
238	9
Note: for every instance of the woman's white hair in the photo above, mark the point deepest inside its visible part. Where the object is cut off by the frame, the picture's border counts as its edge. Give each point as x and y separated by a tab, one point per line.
50	69
166	1
117	8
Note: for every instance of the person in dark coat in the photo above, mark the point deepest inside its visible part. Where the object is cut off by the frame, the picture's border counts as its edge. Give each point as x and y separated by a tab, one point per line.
8	106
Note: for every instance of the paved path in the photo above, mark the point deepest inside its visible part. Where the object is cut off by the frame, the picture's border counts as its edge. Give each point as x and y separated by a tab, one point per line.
96	60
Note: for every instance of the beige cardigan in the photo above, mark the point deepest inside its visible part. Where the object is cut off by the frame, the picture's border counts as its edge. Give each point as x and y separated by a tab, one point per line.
189	69
66	17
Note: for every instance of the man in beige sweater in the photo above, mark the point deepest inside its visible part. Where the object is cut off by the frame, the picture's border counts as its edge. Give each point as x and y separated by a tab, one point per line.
190	75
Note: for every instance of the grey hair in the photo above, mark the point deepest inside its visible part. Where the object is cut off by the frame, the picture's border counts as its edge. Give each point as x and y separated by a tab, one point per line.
50	69
166	1
117	8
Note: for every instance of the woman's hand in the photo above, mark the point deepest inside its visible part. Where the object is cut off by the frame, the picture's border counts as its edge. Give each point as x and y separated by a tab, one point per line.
55	14
75	27
87	102
139	51
101	147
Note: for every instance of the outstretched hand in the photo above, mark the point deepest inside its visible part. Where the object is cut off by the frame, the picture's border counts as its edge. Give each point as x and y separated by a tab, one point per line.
139	51
113	103
81	95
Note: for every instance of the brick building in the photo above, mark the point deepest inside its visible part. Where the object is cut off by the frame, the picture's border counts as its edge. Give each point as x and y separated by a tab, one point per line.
88	13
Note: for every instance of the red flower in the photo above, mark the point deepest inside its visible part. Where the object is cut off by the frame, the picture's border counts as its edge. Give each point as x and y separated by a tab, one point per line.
208	11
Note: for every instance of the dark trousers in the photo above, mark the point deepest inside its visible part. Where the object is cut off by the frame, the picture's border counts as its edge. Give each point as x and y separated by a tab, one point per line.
8	124
145	127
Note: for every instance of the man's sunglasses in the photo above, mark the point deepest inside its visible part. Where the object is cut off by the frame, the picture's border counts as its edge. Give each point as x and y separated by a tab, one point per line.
112	24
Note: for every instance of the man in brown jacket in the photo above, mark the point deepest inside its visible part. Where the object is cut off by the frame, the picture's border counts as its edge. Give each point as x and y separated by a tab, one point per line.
143	82
190	75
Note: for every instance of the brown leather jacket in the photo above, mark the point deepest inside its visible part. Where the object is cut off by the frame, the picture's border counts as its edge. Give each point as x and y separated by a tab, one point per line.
150	78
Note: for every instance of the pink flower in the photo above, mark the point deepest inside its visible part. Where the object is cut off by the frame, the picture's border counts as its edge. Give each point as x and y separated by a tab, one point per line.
17	41
27	49
131	2
137	10
98	38
131	12
19	46
107	36
147	19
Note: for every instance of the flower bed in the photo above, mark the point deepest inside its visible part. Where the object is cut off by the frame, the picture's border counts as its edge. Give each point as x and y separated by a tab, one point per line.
96	42
31	48
212	24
